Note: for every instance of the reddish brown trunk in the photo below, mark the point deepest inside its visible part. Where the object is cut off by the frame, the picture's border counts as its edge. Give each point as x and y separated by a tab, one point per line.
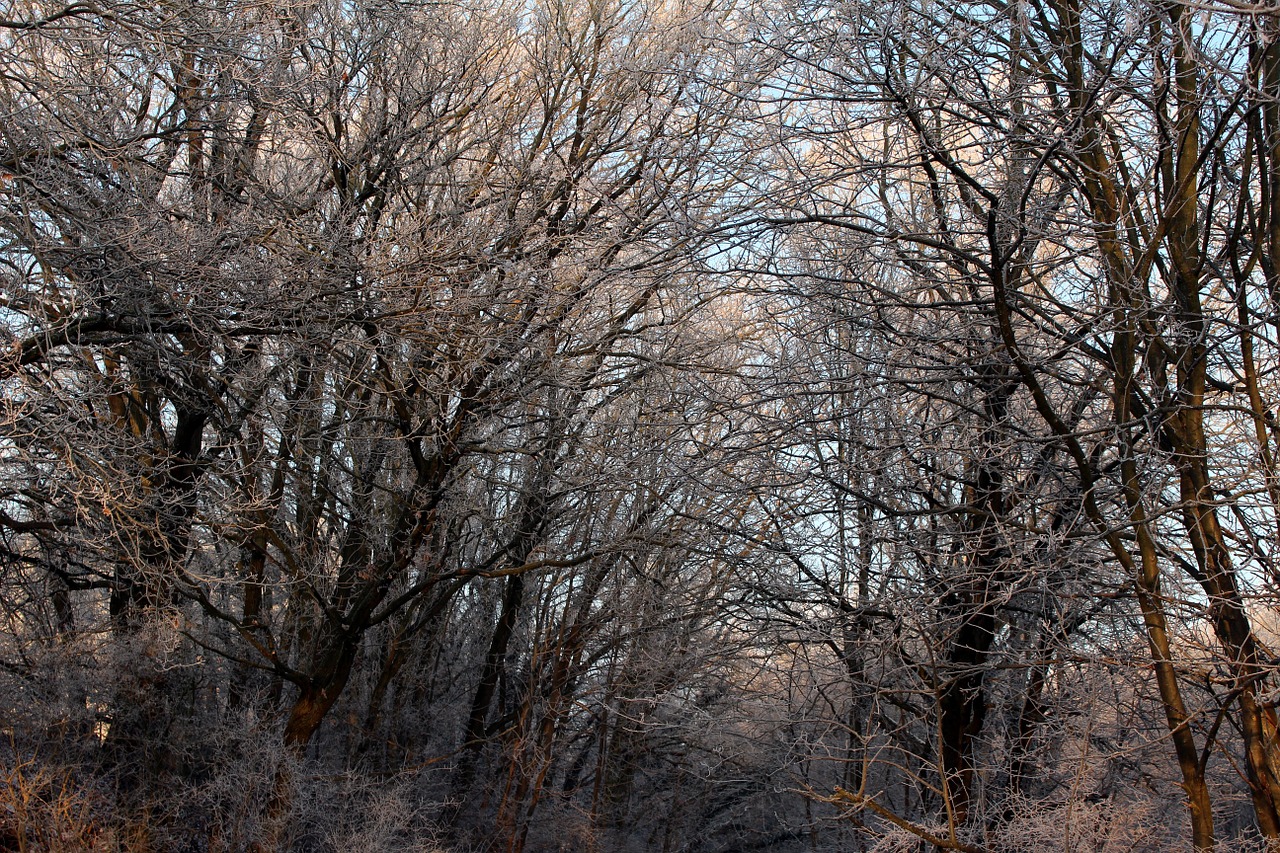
316	699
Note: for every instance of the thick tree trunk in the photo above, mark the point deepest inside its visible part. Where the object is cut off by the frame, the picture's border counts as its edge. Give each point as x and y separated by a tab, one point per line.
318	695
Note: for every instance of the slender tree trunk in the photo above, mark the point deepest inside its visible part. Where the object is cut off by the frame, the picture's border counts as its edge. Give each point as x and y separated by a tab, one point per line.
482	701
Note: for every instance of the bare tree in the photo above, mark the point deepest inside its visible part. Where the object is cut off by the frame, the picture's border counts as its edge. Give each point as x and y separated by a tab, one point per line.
589	408
321	314
1020	210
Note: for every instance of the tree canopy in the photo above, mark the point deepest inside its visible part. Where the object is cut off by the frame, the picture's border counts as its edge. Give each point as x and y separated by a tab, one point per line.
595	425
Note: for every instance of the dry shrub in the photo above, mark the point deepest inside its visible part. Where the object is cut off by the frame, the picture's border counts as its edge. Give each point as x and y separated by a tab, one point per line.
45	809
1087	827
349	811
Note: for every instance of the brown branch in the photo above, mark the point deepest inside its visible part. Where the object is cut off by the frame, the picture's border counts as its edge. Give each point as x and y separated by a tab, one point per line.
843	797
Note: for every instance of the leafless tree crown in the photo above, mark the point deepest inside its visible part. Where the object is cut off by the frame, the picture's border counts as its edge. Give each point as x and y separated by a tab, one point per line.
606	426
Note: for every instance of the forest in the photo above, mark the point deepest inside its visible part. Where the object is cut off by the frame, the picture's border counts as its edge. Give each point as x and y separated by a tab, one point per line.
654	426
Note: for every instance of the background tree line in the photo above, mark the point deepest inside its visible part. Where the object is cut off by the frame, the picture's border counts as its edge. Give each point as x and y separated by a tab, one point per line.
594	425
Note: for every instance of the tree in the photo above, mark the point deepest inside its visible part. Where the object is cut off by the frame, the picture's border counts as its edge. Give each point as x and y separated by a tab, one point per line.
1050	206
581	410
317	314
